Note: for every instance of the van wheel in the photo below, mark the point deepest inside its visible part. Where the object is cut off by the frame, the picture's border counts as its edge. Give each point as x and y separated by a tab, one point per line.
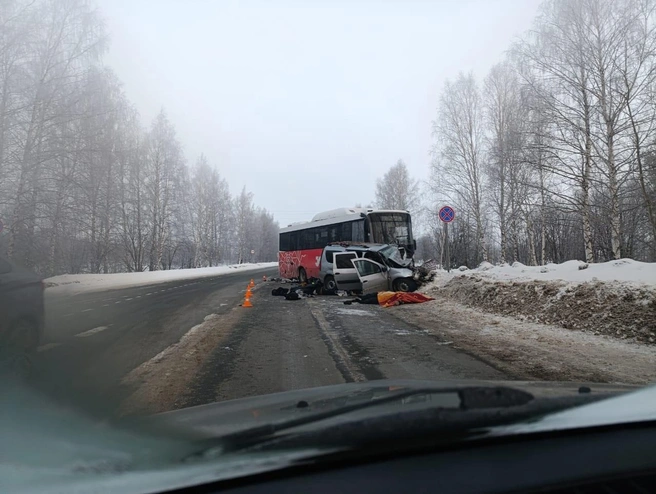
329	283
302	275
405	285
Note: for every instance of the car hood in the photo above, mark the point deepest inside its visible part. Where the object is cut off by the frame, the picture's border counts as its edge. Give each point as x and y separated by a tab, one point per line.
48	448
232	416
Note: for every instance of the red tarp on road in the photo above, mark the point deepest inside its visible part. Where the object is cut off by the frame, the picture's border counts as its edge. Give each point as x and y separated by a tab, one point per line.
390	299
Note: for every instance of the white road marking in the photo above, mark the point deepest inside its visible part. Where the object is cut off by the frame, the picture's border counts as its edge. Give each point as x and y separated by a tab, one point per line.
129	299
87	310
47	346
149	293
91	331
105	305
117	302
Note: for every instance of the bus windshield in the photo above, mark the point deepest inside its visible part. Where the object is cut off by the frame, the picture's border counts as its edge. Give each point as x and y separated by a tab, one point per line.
392	228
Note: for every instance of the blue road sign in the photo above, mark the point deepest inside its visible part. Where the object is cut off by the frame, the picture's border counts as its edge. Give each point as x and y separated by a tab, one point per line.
447	214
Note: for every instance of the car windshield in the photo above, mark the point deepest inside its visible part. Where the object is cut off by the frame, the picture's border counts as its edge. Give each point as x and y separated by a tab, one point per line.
210	203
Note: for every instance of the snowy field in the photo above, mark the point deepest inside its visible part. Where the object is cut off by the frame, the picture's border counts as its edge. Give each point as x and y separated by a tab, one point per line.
77	283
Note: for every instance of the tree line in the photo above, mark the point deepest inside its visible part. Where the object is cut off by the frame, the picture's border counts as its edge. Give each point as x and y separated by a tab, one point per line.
84	187
552	156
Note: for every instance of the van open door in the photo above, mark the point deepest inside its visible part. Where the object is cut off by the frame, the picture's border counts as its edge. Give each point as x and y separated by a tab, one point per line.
373	276
344	272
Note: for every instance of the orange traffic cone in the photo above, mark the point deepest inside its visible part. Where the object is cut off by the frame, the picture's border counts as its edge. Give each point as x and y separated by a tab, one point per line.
247	301
264	278
252	283
248	292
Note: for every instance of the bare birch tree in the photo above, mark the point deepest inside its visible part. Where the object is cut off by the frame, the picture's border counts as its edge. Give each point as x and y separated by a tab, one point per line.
397	190
458	166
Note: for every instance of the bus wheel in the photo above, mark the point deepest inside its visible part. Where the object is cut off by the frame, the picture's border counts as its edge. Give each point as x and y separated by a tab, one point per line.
302	275
405	285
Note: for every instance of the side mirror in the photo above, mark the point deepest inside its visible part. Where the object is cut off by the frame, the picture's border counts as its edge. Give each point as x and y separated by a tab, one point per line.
384	268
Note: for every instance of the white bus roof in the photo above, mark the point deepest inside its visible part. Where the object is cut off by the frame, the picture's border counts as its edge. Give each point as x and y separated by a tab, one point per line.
335	216
340	213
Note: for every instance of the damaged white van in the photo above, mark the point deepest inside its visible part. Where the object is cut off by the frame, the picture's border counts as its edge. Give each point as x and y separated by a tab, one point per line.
366	268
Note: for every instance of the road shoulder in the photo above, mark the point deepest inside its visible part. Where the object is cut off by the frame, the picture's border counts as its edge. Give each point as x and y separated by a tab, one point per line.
534	351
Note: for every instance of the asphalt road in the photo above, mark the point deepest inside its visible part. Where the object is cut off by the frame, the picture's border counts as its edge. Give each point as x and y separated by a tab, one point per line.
94	340
282	345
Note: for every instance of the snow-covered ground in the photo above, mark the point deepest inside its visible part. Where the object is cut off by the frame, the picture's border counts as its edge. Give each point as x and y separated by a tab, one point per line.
623	273
615	298
77	283
622	270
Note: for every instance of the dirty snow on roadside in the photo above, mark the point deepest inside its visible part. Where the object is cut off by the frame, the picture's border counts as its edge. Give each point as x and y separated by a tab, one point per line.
76	283
616	298
534	351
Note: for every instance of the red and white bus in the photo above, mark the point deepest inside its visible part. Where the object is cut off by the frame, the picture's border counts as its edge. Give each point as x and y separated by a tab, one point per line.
301	244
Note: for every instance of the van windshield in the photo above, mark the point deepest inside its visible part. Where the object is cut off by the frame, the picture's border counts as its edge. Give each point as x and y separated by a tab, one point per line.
392	253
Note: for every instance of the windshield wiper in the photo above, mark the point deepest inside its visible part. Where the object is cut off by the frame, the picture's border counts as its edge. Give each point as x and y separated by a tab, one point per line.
470	398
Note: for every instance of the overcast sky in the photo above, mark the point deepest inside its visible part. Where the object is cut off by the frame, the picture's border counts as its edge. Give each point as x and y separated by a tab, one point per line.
308	102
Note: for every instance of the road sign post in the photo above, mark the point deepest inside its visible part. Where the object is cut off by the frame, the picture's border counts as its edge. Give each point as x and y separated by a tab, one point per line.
447	214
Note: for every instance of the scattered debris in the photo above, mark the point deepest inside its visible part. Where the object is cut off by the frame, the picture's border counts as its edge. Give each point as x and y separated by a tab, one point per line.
426	272
298	292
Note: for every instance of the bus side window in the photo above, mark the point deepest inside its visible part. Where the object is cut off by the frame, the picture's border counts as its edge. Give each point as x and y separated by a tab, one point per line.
333	235
357	233
284	241
303	240
293	241
346	232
